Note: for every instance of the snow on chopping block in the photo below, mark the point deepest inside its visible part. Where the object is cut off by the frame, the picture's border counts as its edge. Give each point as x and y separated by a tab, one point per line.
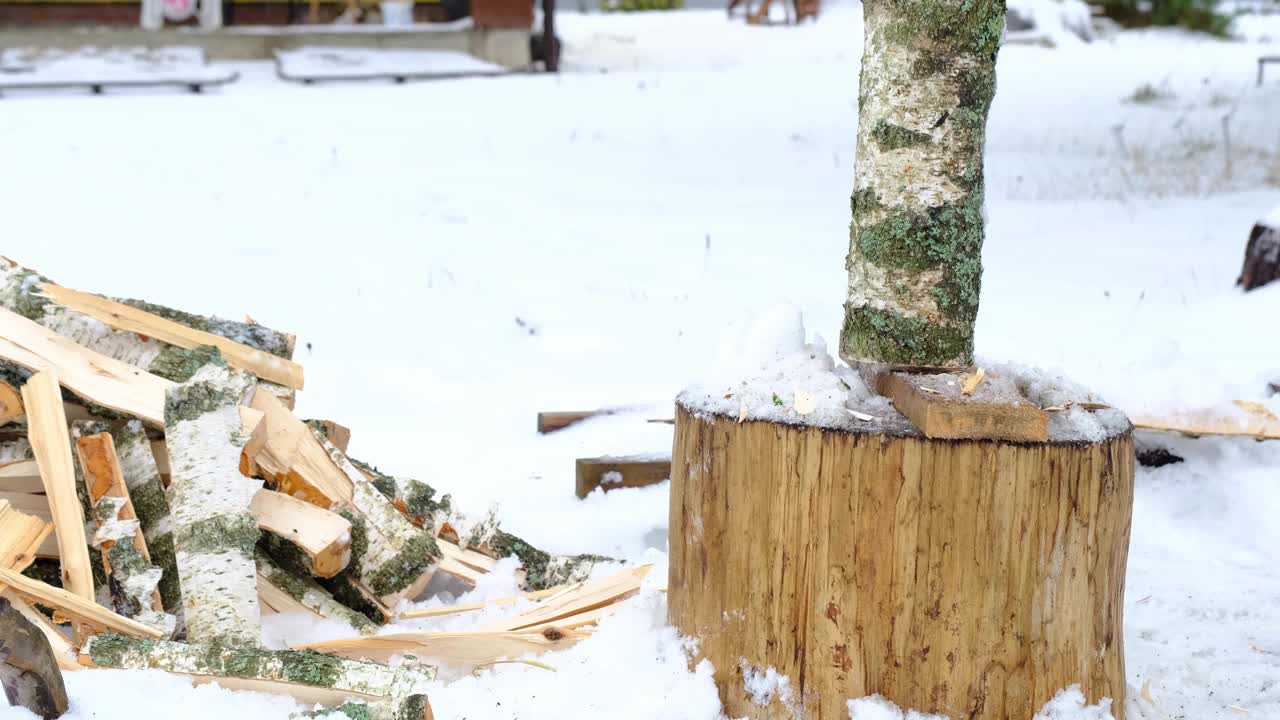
211	504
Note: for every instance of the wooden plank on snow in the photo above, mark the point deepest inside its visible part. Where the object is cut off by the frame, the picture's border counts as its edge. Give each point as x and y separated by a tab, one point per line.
124	317
612	473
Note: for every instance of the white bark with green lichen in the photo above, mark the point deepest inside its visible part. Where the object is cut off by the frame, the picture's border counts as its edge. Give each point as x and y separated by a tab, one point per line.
928	76
214	532
542	570
311	596
133	579
150	504
394	554
389	691
20	292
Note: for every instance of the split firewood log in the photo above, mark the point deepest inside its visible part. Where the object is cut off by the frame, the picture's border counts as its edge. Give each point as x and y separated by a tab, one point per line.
132	578
28	668
100	325
150	503
391	558
214	532
284	591
386	693
418	501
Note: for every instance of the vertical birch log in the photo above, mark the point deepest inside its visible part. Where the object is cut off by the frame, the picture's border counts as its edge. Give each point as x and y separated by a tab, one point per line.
150	503
915	266
214	533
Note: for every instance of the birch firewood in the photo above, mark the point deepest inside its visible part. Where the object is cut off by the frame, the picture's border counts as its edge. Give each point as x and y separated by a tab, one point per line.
391	693
542	569
928	77
132	578
310	595
20	292
397	557
150	504
390	556
214	533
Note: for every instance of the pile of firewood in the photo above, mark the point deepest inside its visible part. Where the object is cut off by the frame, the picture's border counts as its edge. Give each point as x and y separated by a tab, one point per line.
158	496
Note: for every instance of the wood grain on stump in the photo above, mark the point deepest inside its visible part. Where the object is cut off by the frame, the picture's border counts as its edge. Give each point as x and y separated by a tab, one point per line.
972	579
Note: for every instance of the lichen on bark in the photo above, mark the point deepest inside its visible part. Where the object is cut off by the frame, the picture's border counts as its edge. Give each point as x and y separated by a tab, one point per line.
928	78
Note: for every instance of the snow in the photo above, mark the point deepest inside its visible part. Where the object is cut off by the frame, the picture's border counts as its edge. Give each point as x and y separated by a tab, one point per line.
1272	218
686	172
348	62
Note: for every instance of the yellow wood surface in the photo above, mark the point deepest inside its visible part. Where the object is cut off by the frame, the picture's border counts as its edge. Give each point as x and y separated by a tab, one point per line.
47	428
971	579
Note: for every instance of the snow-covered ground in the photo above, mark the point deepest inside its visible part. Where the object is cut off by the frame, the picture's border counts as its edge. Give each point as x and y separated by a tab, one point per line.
456	256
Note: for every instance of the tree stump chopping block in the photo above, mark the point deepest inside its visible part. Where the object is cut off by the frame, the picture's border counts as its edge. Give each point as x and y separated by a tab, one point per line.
28	669
968	578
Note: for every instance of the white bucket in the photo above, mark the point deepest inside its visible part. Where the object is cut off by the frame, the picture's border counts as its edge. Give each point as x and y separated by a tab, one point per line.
397	12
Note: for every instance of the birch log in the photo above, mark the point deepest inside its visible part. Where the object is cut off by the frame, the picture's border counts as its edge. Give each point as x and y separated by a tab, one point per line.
928	77
418	501
132	578
150	504
214	532
311	678
310	595
20	292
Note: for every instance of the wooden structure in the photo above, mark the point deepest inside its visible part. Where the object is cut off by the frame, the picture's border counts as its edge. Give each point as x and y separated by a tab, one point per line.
972	579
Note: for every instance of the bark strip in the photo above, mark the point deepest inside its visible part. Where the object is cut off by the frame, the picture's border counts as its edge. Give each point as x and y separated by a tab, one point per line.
214	532
928	77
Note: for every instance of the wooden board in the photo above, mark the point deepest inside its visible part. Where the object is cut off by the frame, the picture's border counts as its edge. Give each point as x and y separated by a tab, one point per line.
937	406
631	472
125	317
51	444
83	611
549	422
93	376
